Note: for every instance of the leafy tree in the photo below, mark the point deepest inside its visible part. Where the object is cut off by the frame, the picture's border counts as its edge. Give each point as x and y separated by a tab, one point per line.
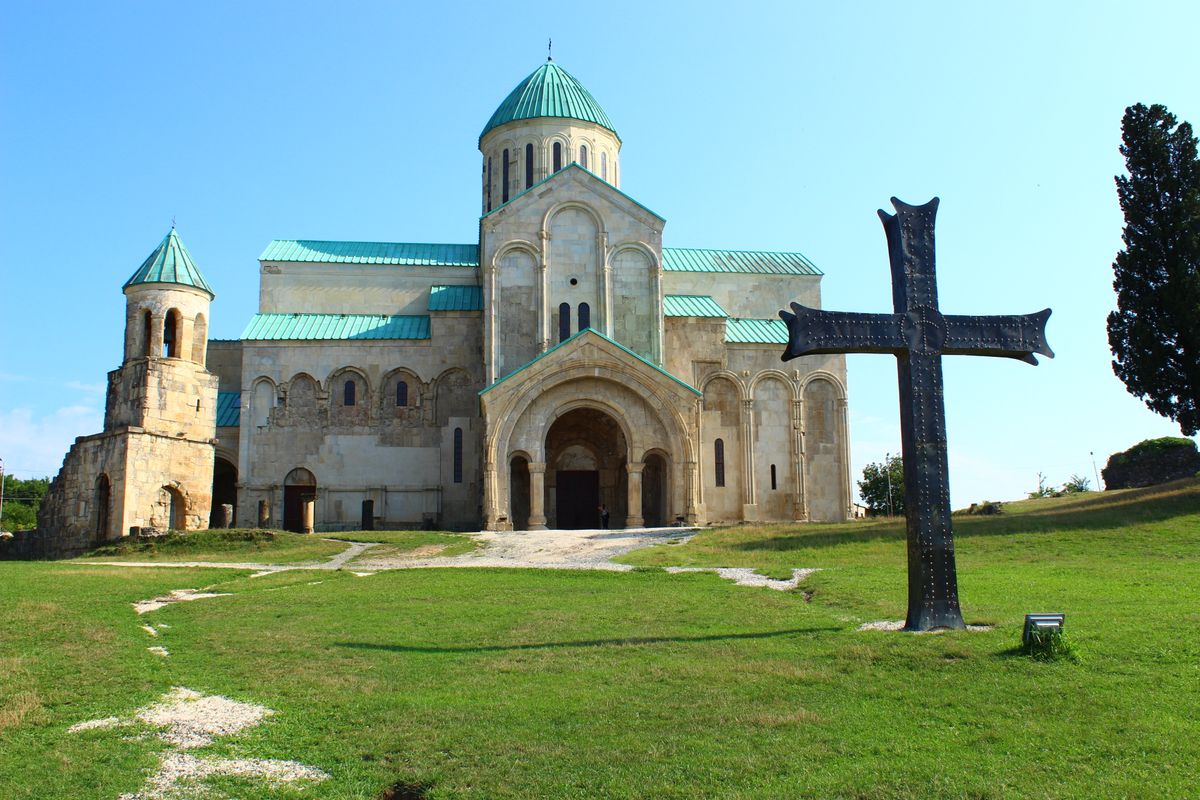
1155	332
1044	489
1077	484
874	486
21	501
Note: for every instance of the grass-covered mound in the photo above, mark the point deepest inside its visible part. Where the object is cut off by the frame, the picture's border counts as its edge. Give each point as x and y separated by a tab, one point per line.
414	544
538	683
233	544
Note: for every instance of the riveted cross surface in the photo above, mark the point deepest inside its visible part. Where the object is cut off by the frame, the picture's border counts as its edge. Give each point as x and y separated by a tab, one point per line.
919	335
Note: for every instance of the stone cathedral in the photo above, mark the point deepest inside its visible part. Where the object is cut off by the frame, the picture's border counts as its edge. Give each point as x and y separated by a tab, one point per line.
565	360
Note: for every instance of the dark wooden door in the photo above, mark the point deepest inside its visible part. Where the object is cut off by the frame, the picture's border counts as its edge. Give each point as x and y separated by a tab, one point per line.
293	507
577	498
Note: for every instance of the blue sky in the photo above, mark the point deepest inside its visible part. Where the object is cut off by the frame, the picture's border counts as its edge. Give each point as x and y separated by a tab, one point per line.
752	125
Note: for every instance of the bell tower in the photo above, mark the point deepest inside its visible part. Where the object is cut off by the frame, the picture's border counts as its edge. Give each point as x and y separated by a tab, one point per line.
152	466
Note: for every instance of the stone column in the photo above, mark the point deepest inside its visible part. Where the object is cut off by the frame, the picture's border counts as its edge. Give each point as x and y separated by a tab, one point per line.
537	496
309	504
605	285
749	507
691	471
489	322
800	506
844	445
156	335
543	290
264	514
633	519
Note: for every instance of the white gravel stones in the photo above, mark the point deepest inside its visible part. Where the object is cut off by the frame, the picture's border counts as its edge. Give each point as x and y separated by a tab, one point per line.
176	596
744	576
150	630
179	773
159	651
898	625
94	724
189	719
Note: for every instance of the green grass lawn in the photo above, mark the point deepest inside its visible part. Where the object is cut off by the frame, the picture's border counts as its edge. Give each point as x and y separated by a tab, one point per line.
234	545
533	683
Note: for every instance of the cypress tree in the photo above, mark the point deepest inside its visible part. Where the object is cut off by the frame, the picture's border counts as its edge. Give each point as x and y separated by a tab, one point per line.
1155	332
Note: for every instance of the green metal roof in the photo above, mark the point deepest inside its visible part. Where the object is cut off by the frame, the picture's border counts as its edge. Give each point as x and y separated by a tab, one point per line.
685	259
691	305
549	91
170	263
756	331
594	332
400	253
229	409
455	298
299	327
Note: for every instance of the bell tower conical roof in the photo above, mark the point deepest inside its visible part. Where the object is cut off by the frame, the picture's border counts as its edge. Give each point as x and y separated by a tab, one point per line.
170	263
549	91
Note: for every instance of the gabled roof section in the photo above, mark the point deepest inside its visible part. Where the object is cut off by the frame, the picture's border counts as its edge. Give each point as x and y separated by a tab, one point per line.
170	263
393	253
455	298
549	91
687	259
691	305
756	331
326	327
563	171
229	409
613	342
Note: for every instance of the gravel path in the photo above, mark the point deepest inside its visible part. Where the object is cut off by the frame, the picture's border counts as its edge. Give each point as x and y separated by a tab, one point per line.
586	549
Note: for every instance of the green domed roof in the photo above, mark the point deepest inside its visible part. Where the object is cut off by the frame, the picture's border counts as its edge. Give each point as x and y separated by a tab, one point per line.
170	263
550	91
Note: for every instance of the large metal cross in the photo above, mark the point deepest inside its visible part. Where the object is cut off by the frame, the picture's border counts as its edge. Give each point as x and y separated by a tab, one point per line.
918	334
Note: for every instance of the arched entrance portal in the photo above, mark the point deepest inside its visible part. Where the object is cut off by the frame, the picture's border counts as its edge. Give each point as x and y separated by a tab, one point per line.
103	508
586	455
298	486
655	491
224	491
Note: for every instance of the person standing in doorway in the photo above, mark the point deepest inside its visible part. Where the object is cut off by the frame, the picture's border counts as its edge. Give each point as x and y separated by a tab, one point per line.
603	516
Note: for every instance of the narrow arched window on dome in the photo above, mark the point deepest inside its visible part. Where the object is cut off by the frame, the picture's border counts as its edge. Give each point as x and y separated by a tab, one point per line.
719	461
528	165
402	393
583	156
585	316
348	389
489	184
604	166
557	156
564	322
504	173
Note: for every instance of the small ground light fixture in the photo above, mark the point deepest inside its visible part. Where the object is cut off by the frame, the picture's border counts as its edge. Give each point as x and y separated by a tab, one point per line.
1040	624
